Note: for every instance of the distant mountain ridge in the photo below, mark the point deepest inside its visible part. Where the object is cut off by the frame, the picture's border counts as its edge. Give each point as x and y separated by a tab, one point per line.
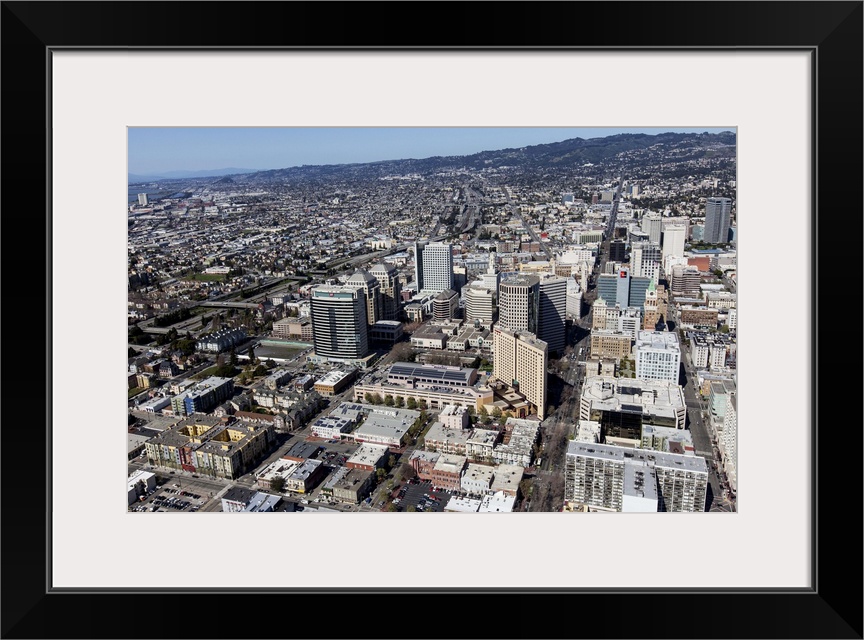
567	153
180	175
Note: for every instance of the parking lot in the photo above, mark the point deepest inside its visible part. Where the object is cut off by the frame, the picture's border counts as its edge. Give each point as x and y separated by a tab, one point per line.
416	495
176	493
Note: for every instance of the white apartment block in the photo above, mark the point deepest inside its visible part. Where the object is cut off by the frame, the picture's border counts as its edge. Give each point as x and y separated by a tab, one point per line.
658	356
729	440
597	476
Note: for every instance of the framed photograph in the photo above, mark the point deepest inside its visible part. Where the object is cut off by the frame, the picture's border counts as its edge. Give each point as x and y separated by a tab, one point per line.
77	77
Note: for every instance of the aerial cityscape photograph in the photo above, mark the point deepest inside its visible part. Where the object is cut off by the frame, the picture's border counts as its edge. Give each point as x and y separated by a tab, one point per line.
450	320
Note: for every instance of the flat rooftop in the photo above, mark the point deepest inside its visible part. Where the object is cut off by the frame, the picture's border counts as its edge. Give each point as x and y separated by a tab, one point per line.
661	459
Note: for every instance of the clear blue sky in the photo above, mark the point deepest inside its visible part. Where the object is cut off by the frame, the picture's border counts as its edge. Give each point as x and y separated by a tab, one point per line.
159	149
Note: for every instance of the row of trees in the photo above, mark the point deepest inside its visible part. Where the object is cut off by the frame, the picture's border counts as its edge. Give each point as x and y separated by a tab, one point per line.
395	401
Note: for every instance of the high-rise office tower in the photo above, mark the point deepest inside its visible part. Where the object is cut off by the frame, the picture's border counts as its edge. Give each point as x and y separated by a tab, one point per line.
444	305
652	224
479	304
717	216
638	289
553	313
339	326
391	294
617	250
622	286
419	247
674	236
645	260
519	303
520	361
372	291
574	299
434	266
142	199
621	289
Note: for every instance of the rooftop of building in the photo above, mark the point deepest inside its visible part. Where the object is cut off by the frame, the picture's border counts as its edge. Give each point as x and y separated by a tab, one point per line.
632	391
497	503
483	437
507	477
448	463
353	479
362	276
640	480
439	433
305	469
696	464
519	279
368	454
427	456
657	340
334	377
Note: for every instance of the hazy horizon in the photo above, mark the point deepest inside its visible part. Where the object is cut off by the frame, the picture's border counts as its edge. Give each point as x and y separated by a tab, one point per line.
155	151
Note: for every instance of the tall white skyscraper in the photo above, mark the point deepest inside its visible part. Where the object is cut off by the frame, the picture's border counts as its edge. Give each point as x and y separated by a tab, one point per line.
652	224
436	263
718	212
574	299
674	236
142	199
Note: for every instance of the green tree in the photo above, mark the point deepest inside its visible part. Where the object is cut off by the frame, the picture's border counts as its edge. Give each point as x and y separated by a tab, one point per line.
380	474
388	400
400	401
252	354
412	403
496	413
260	370
411	508
422	404
369	399
392	507
277	484
376	398
233	353
391	461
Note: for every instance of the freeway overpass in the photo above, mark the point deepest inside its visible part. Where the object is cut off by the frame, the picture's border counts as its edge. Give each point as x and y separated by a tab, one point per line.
229	305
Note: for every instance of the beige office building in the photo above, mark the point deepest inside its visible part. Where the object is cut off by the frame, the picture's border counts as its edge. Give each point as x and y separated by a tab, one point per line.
520	362
610	344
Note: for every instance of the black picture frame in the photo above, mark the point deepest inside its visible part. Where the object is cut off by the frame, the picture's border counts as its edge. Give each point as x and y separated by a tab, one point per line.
832	608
